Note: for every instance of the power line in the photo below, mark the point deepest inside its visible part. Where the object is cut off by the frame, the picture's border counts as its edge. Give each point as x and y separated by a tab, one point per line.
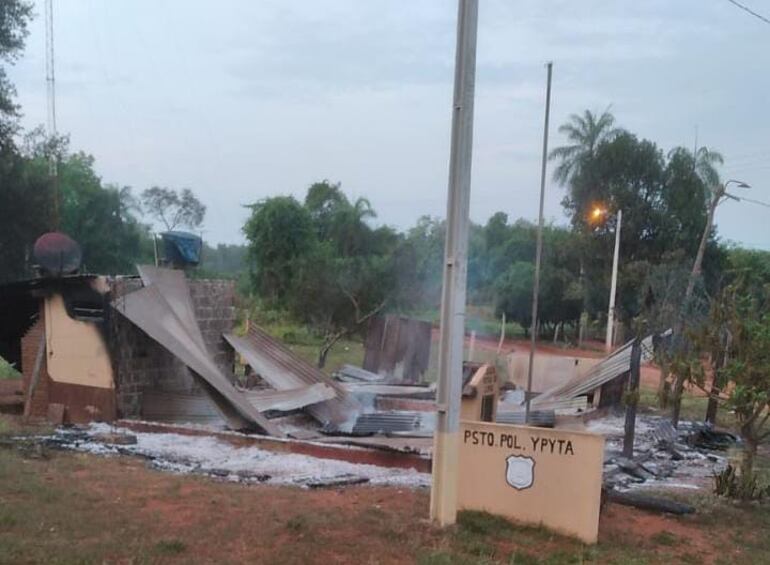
750	11
765	204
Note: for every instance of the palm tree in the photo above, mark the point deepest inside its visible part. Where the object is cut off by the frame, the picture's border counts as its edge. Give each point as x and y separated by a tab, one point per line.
584	134
705	163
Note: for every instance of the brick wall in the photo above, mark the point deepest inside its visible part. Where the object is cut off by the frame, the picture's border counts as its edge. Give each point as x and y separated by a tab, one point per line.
214	301
29	346
140	362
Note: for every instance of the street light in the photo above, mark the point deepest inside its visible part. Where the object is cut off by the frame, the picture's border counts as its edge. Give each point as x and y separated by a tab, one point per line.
597	213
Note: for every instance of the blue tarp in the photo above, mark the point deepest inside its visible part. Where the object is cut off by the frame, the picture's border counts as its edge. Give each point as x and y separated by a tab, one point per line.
182	247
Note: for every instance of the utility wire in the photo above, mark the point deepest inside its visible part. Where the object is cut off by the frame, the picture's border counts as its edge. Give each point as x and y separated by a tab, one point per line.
750	11
743	198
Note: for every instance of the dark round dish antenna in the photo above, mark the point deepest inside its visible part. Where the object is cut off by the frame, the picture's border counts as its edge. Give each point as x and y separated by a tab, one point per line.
57	254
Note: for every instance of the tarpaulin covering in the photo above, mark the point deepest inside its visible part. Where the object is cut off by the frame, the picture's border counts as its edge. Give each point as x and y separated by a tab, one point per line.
181	247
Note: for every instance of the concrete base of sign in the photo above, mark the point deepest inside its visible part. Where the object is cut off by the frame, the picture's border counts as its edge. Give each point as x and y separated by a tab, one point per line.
533	475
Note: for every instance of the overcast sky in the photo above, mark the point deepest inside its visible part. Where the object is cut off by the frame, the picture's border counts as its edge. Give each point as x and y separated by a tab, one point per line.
241	100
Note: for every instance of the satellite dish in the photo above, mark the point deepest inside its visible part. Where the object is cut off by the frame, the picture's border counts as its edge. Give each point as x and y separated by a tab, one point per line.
57	254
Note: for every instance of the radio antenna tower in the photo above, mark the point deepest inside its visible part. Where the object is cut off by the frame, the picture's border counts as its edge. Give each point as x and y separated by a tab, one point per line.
50	80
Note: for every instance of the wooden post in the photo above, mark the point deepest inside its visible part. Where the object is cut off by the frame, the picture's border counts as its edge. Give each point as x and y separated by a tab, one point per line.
632	398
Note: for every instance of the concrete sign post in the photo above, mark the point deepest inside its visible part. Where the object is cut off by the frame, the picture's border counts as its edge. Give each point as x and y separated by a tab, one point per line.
443	500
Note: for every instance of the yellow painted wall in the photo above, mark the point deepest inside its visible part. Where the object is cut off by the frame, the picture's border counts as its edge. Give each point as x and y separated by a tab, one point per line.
76	350
533	475
548	371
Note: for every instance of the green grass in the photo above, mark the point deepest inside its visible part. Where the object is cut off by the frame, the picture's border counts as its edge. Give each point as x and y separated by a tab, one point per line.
7	371
693	408
107	515
170	547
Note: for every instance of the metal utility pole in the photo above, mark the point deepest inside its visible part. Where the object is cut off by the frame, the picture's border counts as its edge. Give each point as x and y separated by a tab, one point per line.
539	250
443	497
613	284
50	81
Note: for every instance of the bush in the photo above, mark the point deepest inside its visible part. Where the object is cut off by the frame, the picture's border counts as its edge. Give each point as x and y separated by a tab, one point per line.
730	484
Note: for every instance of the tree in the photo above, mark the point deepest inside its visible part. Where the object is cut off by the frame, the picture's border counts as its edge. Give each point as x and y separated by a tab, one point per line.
14	18
584	134
174	208
737	340
103	219
322	262
337	295
417	265
24	201
280	232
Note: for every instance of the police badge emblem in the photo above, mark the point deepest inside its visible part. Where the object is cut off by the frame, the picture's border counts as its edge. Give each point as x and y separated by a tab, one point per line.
520	471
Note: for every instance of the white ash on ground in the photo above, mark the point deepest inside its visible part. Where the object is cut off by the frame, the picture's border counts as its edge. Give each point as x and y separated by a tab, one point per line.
214	457
664	457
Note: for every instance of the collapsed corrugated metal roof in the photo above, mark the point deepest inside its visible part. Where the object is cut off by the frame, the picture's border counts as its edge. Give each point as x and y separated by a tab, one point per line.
192	407
163	310
614	365
284	370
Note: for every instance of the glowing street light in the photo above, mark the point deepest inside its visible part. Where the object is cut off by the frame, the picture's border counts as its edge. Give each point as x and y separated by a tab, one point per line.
597	213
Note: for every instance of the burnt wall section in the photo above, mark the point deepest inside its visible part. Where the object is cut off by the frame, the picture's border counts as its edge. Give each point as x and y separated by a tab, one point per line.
140	362
30	343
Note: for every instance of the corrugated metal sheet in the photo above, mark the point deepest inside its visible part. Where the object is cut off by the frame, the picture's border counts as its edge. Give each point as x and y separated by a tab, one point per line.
172	284
390	390
284	370
197	408
380	423
149	310
398	347
539	418
611	367
353	374
287	400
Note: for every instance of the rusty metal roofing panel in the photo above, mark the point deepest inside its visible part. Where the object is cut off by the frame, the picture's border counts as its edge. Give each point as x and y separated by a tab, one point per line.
284	370
292	399
148	309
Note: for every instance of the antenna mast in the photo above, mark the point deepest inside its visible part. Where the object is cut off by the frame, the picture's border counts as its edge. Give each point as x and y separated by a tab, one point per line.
50	80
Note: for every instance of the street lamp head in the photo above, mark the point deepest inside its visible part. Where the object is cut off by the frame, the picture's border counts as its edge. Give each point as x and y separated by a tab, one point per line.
598	212
738	183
